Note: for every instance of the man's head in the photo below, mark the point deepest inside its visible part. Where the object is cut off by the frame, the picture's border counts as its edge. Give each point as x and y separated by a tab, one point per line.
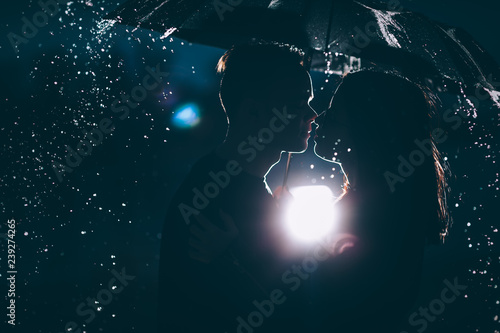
266	90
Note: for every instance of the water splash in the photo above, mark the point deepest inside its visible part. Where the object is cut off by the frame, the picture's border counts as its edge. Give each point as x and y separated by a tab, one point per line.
169	32
103	27
495	96
385	21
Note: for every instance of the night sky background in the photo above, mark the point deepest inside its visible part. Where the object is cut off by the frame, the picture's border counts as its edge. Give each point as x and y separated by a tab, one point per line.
108	213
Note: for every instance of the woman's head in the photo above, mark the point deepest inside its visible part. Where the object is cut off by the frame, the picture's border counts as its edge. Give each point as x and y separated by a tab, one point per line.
369	111
372	125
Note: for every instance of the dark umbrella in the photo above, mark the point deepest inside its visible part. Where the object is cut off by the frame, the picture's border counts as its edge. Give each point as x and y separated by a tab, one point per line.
347	33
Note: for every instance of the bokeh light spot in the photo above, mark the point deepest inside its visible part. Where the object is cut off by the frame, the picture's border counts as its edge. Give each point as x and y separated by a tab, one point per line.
186	116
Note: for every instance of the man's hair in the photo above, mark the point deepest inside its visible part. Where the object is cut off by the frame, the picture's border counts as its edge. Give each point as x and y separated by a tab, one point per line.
253	69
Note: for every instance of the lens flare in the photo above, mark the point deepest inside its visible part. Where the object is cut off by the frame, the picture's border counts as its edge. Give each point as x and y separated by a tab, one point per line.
186	116
311	215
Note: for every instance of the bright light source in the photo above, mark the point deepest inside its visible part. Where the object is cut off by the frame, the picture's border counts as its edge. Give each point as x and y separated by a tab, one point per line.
311	214
186	116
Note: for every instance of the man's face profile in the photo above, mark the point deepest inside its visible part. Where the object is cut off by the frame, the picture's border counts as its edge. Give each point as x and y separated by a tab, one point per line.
294	94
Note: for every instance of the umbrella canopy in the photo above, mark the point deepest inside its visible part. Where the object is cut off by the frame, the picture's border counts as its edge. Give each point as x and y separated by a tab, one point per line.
411	42
345	30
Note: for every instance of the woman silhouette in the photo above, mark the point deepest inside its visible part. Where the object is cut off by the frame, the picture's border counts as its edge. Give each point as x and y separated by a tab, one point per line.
379	128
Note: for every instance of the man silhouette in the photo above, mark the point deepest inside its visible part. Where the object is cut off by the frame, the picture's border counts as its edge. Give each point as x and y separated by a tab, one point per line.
265	92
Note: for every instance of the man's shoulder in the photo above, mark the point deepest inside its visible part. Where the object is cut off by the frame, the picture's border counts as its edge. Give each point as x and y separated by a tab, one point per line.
203	184
198	175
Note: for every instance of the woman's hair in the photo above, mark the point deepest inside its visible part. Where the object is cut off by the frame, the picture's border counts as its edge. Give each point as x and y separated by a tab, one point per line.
388	115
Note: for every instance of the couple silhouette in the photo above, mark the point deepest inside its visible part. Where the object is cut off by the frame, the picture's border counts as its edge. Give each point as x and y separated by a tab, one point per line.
222	264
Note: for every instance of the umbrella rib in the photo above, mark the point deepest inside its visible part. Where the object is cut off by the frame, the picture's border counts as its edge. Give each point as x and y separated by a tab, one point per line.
330	22
287	169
